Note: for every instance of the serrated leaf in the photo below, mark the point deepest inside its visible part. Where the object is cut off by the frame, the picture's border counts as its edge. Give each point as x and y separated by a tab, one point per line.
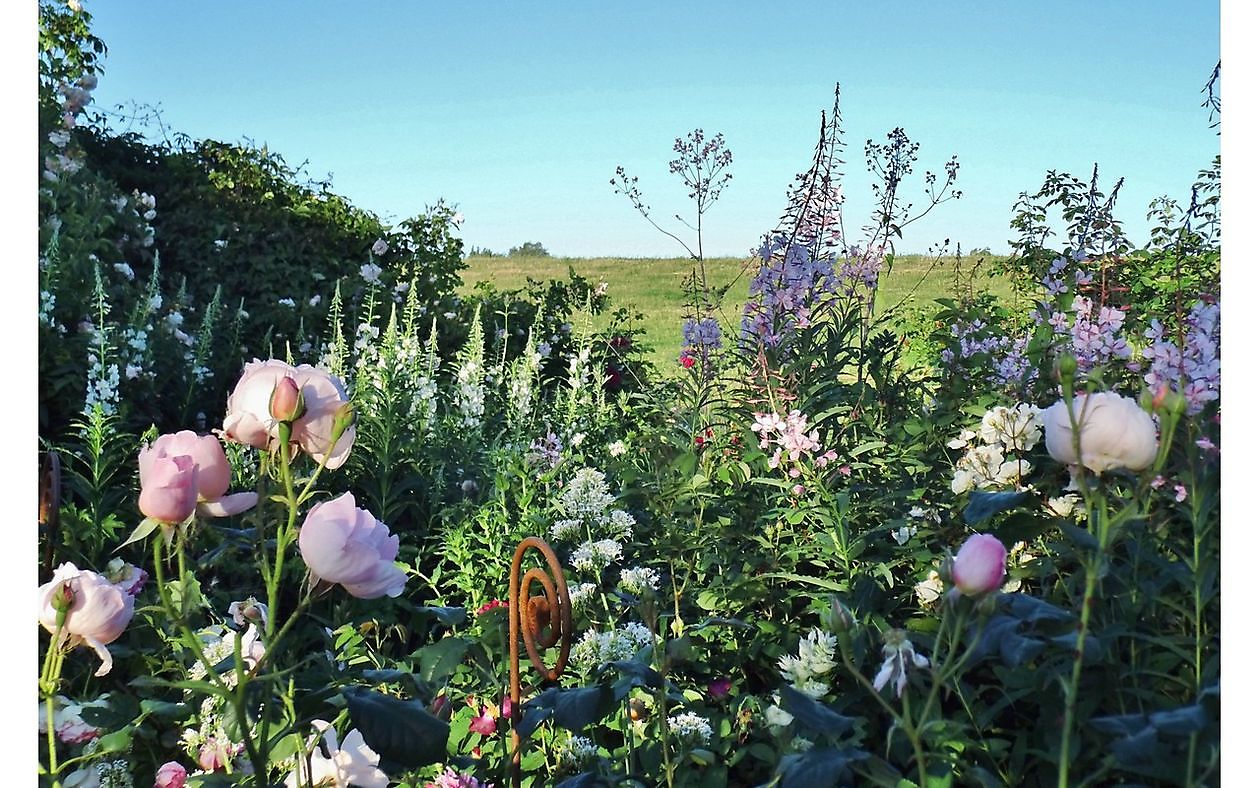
437	661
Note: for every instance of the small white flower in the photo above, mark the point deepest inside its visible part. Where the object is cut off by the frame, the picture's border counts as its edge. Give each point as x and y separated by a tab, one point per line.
287	302
315	299
616	449
691	728
379	248
371	272
777	717
640	580
897	649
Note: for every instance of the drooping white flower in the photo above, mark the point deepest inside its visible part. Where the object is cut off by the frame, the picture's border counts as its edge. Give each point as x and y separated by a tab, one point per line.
897	649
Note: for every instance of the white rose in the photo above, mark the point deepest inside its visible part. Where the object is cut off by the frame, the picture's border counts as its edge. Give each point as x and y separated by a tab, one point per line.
1114	431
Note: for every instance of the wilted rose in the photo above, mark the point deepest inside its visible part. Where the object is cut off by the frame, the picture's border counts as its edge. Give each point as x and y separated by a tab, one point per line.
980	565
249	417
344	544
1115	433
213	476
97	611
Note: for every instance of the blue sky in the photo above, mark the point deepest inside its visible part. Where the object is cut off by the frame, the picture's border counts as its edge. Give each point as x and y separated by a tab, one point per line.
519	113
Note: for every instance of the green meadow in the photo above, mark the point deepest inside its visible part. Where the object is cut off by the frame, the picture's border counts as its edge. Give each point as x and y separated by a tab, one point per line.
652	287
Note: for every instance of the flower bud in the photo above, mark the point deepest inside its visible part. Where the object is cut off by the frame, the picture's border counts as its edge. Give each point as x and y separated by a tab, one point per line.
63	597
287	402
1067	366
1176	403
344	417
441	708
638	710
841	618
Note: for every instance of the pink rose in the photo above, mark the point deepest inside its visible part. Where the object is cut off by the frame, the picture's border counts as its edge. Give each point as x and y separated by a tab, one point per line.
341	543
98	610
168	485
249	418
170	775
980	565
214	474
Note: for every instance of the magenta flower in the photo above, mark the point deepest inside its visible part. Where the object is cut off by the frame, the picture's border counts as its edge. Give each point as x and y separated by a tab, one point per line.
980	565
484	723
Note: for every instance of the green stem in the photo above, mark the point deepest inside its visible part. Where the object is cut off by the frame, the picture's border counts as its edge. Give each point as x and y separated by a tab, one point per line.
1082	630
912	733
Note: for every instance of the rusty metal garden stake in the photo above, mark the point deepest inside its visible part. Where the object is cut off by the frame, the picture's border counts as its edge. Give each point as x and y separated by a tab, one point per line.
49	504
528	617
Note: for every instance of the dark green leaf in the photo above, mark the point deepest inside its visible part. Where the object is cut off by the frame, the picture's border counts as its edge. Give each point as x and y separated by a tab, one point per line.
983	505
439	660
400	730
447	616
812	714
818	768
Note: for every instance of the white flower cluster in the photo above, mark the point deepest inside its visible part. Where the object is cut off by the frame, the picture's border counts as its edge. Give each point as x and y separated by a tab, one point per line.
521	381
566	530
577	752
620	524
816	659
582	595
102	386
594	557
640	580
596	648
586	496
470	394
985	465
691	729
47	303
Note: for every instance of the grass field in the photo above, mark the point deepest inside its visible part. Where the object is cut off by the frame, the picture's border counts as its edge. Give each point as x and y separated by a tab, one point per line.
652	286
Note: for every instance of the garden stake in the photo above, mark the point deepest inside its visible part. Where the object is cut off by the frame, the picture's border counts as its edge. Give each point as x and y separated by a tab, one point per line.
551	611
49	503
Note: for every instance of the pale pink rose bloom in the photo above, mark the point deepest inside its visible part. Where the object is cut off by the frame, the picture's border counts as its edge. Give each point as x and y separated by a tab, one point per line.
341	543
170	775
214	474
249	418
98	613
980	565
1115	433
168	485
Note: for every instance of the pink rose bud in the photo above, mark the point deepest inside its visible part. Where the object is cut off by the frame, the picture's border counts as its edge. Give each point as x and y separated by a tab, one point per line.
342	543
249	419
286	400
168	485
170	775
441	708
97	614
980	565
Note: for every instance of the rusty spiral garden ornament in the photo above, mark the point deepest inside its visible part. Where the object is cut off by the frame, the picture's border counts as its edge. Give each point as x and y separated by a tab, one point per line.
541	621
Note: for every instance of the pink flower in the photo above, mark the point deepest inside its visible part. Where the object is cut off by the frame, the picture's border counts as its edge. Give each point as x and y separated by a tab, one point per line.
341	543
1181	492
687	361
217	753
491	605
214	474
249	418
98	610
168	485
170	775
980	565
484	723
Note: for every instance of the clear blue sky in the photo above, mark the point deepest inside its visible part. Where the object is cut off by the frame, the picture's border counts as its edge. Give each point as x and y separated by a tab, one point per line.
518	113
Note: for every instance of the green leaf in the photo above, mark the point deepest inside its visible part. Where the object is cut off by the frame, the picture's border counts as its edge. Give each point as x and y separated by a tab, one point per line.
147	526
114	742
812	714
806	579
818	768
447	616
983	505
439	660
574	708
400	730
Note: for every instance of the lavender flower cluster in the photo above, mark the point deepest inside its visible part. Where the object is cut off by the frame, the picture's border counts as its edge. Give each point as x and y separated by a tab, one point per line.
790	282
1192	367
1006	355
700	337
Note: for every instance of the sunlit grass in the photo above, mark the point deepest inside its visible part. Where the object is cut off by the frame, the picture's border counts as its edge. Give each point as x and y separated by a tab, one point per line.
653	286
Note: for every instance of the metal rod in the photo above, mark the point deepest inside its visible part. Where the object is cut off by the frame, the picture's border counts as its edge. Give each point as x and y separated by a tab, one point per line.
549	611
